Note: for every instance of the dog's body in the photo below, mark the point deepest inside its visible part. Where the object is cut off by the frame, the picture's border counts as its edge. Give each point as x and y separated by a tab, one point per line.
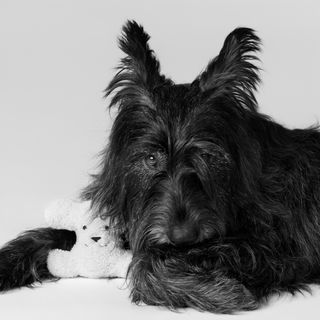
219	204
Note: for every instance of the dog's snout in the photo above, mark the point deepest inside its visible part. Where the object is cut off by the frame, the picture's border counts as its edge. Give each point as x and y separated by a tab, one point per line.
96	239
183	234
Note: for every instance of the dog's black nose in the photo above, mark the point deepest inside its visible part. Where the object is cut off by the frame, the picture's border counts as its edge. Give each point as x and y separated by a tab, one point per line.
184	234
96	239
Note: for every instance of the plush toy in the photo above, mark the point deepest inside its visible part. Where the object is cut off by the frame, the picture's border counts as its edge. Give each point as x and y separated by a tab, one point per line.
95	254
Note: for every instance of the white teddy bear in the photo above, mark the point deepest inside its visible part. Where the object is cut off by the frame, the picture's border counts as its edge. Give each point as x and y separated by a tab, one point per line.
95	254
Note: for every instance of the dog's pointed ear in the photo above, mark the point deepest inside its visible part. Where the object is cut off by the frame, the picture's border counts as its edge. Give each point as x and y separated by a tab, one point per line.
139	70
233	72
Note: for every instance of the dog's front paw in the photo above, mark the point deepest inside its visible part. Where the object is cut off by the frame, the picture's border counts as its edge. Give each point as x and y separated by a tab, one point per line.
171	284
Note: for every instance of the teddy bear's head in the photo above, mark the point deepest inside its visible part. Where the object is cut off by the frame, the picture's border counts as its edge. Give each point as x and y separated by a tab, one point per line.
95	232
77	216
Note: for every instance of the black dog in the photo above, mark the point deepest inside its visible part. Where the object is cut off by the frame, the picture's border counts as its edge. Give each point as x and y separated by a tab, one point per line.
219	204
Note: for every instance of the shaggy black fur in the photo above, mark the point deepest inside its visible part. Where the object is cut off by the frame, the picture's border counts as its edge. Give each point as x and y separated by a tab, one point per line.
219	204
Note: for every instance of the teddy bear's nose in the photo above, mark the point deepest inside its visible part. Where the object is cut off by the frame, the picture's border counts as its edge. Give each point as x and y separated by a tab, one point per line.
96	239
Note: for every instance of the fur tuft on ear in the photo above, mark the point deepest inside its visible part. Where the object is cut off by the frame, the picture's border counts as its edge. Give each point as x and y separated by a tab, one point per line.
139	71
232	72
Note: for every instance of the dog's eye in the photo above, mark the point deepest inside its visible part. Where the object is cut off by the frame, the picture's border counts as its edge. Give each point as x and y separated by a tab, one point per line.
84	227
151	160
106	227
206	157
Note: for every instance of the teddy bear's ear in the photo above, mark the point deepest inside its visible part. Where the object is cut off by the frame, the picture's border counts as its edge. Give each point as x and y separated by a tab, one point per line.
68	214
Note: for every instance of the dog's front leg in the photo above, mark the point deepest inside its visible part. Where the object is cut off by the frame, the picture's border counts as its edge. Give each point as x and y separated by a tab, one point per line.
173	283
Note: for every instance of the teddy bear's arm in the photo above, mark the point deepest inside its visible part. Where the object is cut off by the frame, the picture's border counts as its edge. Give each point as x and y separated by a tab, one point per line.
120	268
61	264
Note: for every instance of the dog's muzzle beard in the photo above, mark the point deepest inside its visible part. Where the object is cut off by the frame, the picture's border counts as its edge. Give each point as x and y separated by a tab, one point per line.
176	212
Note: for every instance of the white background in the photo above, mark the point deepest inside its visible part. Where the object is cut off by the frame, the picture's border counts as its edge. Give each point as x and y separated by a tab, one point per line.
56	57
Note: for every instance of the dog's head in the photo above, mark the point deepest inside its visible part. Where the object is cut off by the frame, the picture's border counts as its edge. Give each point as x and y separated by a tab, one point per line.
179	160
